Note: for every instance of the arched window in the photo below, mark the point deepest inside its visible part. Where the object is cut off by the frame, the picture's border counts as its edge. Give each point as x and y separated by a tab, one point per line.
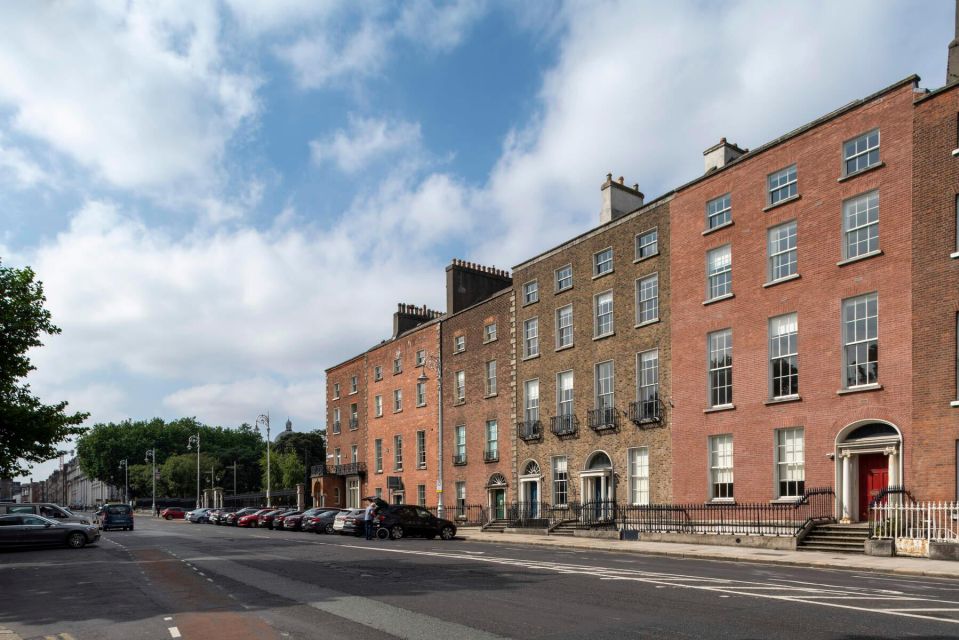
599	461
531	468
496	480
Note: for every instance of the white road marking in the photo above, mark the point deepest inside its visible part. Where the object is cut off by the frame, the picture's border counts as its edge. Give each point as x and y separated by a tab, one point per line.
174	632
167	618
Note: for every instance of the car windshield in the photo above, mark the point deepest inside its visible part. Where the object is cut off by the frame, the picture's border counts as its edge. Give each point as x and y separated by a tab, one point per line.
118	509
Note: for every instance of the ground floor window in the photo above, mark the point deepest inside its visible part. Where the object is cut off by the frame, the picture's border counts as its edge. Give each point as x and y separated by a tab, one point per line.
639	475
460	498
353	494
421	495
560	480
790	463
721	467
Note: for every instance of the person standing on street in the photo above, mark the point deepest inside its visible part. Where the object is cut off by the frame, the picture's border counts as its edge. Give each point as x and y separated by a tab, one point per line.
370	511
157	514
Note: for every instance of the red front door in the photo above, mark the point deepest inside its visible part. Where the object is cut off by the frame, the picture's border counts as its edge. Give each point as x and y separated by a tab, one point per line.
873	478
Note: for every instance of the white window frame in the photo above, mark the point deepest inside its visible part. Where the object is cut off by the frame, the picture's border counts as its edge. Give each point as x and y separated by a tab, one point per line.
489	332
719	344
782	247
719	272
337	424
559	279
719	211
602	264
531	400
421	495
855	153
377	373
459	442
644	241
398	453
421	449
559	466
420	394
397	400
378	455
378	406
530	292
604	384
600	313
459	385
490	377
531	337
565	396
353	384
398	364
564	330
784	350
638	470
647	379
336	390
459	344
354	453
492	439
860	225
790	462
721	468
782	185
860	341
647	299
420	357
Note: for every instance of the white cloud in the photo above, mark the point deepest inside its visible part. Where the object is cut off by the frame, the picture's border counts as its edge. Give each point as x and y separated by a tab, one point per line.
136	92
367	139
17	169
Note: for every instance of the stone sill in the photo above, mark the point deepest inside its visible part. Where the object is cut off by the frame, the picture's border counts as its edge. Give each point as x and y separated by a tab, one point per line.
526	304
955	152
378	415
532	357
720	407
352	393
489	341
955	254
458	403
721	501
861	389
420	405
652	255
397	411
861	171
725	296
603	274
865	256
782	202
955	404
564	290
773	283
782	400
719	227
565	347
605	335
490	395
646	323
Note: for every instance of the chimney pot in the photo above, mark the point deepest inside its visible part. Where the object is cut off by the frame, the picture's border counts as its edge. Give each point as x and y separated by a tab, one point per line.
621	179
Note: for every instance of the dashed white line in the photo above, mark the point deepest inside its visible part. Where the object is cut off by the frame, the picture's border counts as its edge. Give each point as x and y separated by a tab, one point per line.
168	618
174	632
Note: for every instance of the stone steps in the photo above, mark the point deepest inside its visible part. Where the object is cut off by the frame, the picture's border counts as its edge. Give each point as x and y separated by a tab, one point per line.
836	538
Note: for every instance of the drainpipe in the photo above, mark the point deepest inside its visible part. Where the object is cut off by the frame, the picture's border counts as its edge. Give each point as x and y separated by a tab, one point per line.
439	427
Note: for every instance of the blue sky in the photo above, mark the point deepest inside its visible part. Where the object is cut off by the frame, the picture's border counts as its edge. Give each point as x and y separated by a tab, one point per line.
225	198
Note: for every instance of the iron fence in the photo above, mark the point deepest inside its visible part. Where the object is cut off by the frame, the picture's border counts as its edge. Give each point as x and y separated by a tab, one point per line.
564	425
529	430
279	498
895	513
603	419
535	515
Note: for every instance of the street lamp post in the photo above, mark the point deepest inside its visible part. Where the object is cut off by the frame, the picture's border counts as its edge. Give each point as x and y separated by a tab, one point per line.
264	419
435	364
233	466
152	456
195	439
126	480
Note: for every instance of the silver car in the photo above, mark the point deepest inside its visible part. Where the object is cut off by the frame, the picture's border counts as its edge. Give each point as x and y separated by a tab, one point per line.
350	522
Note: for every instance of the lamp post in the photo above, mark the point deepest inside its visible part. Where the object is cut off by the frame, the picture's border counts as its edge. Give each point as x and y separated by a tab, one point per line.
126	480
233	466
195	439
435	364
151	456
264	419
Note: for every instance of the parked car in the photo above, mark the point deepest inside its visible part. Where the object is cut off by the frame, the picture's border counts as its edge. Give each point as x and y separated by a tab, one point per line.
116	516
322	522
280	518
266	519
294	521
231	518
198	516
251	519
173	513
403	520
24	530
219	516
349	522
45	509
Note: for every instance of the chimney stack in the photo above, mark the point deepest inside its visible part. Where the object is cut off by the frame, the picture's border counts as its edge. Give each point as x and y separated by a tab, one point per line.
468	283
719	155
952	67
408	316
618	199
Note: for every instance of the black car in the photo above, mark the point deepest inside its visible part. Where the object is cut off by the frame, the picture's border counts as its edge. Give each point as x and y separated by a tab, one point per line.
30	530
321	522
403	520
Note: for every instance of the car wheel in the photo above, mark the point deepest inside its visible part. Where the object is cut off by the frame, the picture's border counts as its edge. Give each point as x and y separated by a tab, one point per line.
76	540
382	533
168	517
396	532
447	533
329	528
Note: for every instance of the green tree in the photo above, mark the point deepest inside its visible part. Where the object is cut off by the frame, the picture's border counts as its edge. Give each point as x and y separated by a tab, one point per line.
29	430
179	473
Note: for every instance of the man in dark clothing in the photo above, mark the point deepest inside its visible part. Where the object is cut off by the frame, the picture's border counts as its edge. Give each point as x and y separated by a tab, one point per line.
370	514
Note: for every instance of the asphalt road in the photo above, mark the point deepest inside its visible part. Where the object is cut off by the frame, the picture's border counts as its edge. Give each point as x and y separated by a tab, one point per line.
173	579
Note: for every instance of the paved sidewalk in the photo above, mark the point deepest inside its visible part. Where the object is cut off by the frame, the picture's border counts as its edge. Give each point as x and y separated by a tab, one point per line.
817	559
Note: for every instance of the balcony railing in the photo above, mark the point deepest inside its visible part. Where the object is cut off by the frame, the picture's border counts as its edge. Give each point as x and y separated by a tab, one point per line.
565	425
646	412
351	469
529	430
491	456
459	459
321	470
603	419
354	424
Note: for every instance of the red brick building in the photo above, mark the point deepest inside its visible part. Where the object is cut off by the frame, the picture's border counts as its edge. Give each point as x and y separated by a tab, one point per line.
337	482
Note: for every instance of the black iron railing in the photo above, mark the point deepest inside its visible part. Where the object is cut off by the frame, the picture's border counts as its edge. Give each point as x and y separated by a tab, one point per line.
646	413
321	470
354	424
603	419
528	515
464	515
459	459
490	456
278	498
350	469
564	426
529	430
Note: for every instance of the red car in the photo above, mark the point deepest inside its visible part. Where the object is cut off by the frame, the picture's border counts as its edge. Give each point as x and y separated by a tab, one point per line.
265	519
173	513
251	519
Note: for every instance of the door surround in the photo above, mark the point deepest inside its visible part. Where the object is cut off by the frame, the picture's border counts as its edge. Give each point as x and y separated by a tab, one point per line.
854	440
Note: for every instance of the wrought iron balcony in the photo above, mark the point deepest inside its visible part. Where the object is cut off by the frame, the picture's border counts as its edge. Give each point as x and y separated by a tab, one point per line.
646	412
320	470
459	459
351	469
529	430
565	425
354	424
603	419
490	456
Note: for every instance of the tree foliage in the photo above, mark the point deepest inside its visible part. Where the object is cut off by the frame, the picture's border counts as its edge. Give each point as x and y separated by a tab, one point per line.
29	430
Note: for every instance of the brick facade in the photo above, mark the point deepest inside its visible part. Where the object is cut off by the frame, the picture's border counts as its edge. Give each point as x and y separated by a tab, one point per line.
480	405
823	408
330	485
931	469
585	447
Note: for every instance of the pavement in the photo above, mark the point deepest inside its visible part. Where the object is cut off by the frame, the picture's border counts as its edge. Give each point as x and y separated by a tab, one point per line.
813	559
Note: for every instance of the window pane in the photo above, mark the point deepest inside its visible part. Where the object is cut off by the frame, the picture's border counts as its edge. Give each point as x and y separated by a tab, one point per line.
604	313
861	225
782	251
782	185
719	211
721	368
783	356
647	299
861	339
719	266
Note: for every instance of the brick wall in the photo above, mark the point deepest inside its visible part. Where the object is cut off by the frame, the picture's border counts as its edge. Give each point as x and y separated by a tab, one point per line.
333	487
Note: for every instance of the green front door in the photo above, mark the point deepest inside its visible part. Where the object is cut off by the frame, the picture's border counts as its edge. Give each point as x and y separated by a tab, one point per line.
499	503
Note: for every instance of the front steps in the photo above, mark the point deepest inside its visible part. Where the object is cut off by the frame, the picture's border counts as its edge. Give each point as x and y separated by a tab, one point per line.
496	526
836	538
